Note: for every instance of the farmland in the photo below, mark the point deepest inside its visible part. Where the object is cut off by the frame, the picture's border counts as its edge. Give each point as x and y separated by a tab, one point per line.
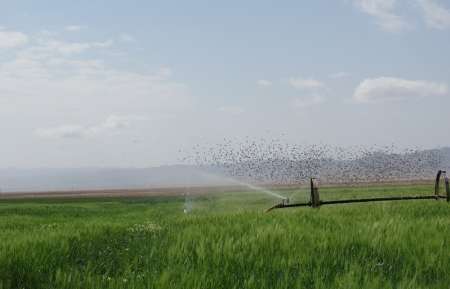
225	241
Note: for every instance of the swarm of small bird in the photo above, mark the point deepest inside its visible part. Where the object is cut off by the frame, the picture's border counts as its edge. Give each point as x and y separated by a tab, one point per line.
277	162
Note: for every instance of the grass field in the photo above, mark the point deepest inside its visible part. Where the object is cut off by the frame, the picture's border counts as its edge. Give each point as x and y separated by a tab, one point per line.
226	241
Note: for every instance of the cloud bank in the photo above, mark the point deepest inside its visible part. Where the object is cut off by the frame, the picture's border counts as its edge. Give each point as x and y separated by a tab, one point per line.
12	39
60	81
389	88
388	17
313	91
384	11
73	28
436	16
305	83
264	82
112	123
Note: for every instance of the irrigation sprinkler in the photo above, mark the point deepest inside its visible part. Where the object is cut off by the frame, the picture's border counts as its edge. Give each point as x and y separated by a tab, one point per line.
285	201
315	201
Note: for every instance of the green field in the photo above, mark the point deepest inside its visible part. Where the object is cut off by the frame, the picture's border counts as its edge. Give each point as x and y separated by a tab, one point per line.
226	241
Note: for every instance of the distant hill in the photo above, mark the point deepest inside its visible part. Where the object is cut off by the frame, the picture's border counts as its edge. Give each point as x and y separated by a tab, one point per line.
372	167
23	180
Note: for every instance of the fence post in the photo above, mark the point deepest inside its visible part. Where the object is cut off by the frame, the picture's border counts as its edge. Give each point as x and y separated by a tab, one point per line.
315	197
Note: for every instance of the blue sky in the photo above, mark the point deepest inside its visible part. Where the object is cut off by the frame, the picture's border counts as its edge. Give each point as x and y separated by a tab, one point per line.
130	83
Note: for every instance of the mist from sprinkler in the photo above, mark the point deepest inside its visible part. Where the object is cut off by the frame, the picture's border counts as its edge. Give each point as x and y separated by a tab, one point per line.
187	208
245	184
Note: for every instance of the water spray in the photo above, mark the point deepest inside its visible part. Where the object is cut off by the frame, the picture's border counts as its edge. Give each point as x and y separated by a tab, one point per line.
248	185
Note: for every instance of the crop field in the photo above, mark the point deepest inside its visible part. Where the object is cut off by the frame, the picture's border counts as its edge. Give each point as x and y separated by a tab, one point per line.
226	240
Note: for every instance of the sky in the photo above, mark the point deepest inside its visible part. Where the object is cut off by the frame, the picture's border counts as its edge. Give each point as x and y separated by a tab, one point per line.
137	83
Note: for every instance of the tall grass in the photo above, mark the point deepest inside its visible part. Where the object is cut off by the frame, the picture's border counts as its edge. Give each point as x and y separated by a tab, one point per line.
226	242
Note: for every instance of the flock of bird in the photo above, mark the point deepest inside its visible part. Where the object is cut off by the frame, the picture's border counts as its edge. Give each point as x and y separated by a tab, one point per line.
278	162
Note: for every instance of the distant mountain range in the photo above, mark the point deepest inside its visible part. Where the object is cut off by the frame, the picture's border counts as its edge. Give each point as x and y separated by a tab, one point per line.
44	179
419	165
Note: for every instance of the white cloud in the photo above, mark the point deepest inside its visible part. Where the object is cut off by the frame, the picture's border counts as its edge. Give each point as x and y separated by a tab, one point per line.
116	122
307	101
73	28
63	131
45	47
165	72
50	46
12	39
384	12
436	16
51	81
67	84
47	33
235	110
305	83
313	91
112	123
390	88
264	82
124	37
339	75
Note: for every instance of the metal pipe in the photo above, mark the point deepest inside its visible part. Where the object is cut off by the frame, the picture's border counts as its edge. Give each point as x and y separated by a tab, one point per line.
349	201
382	199
282	206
